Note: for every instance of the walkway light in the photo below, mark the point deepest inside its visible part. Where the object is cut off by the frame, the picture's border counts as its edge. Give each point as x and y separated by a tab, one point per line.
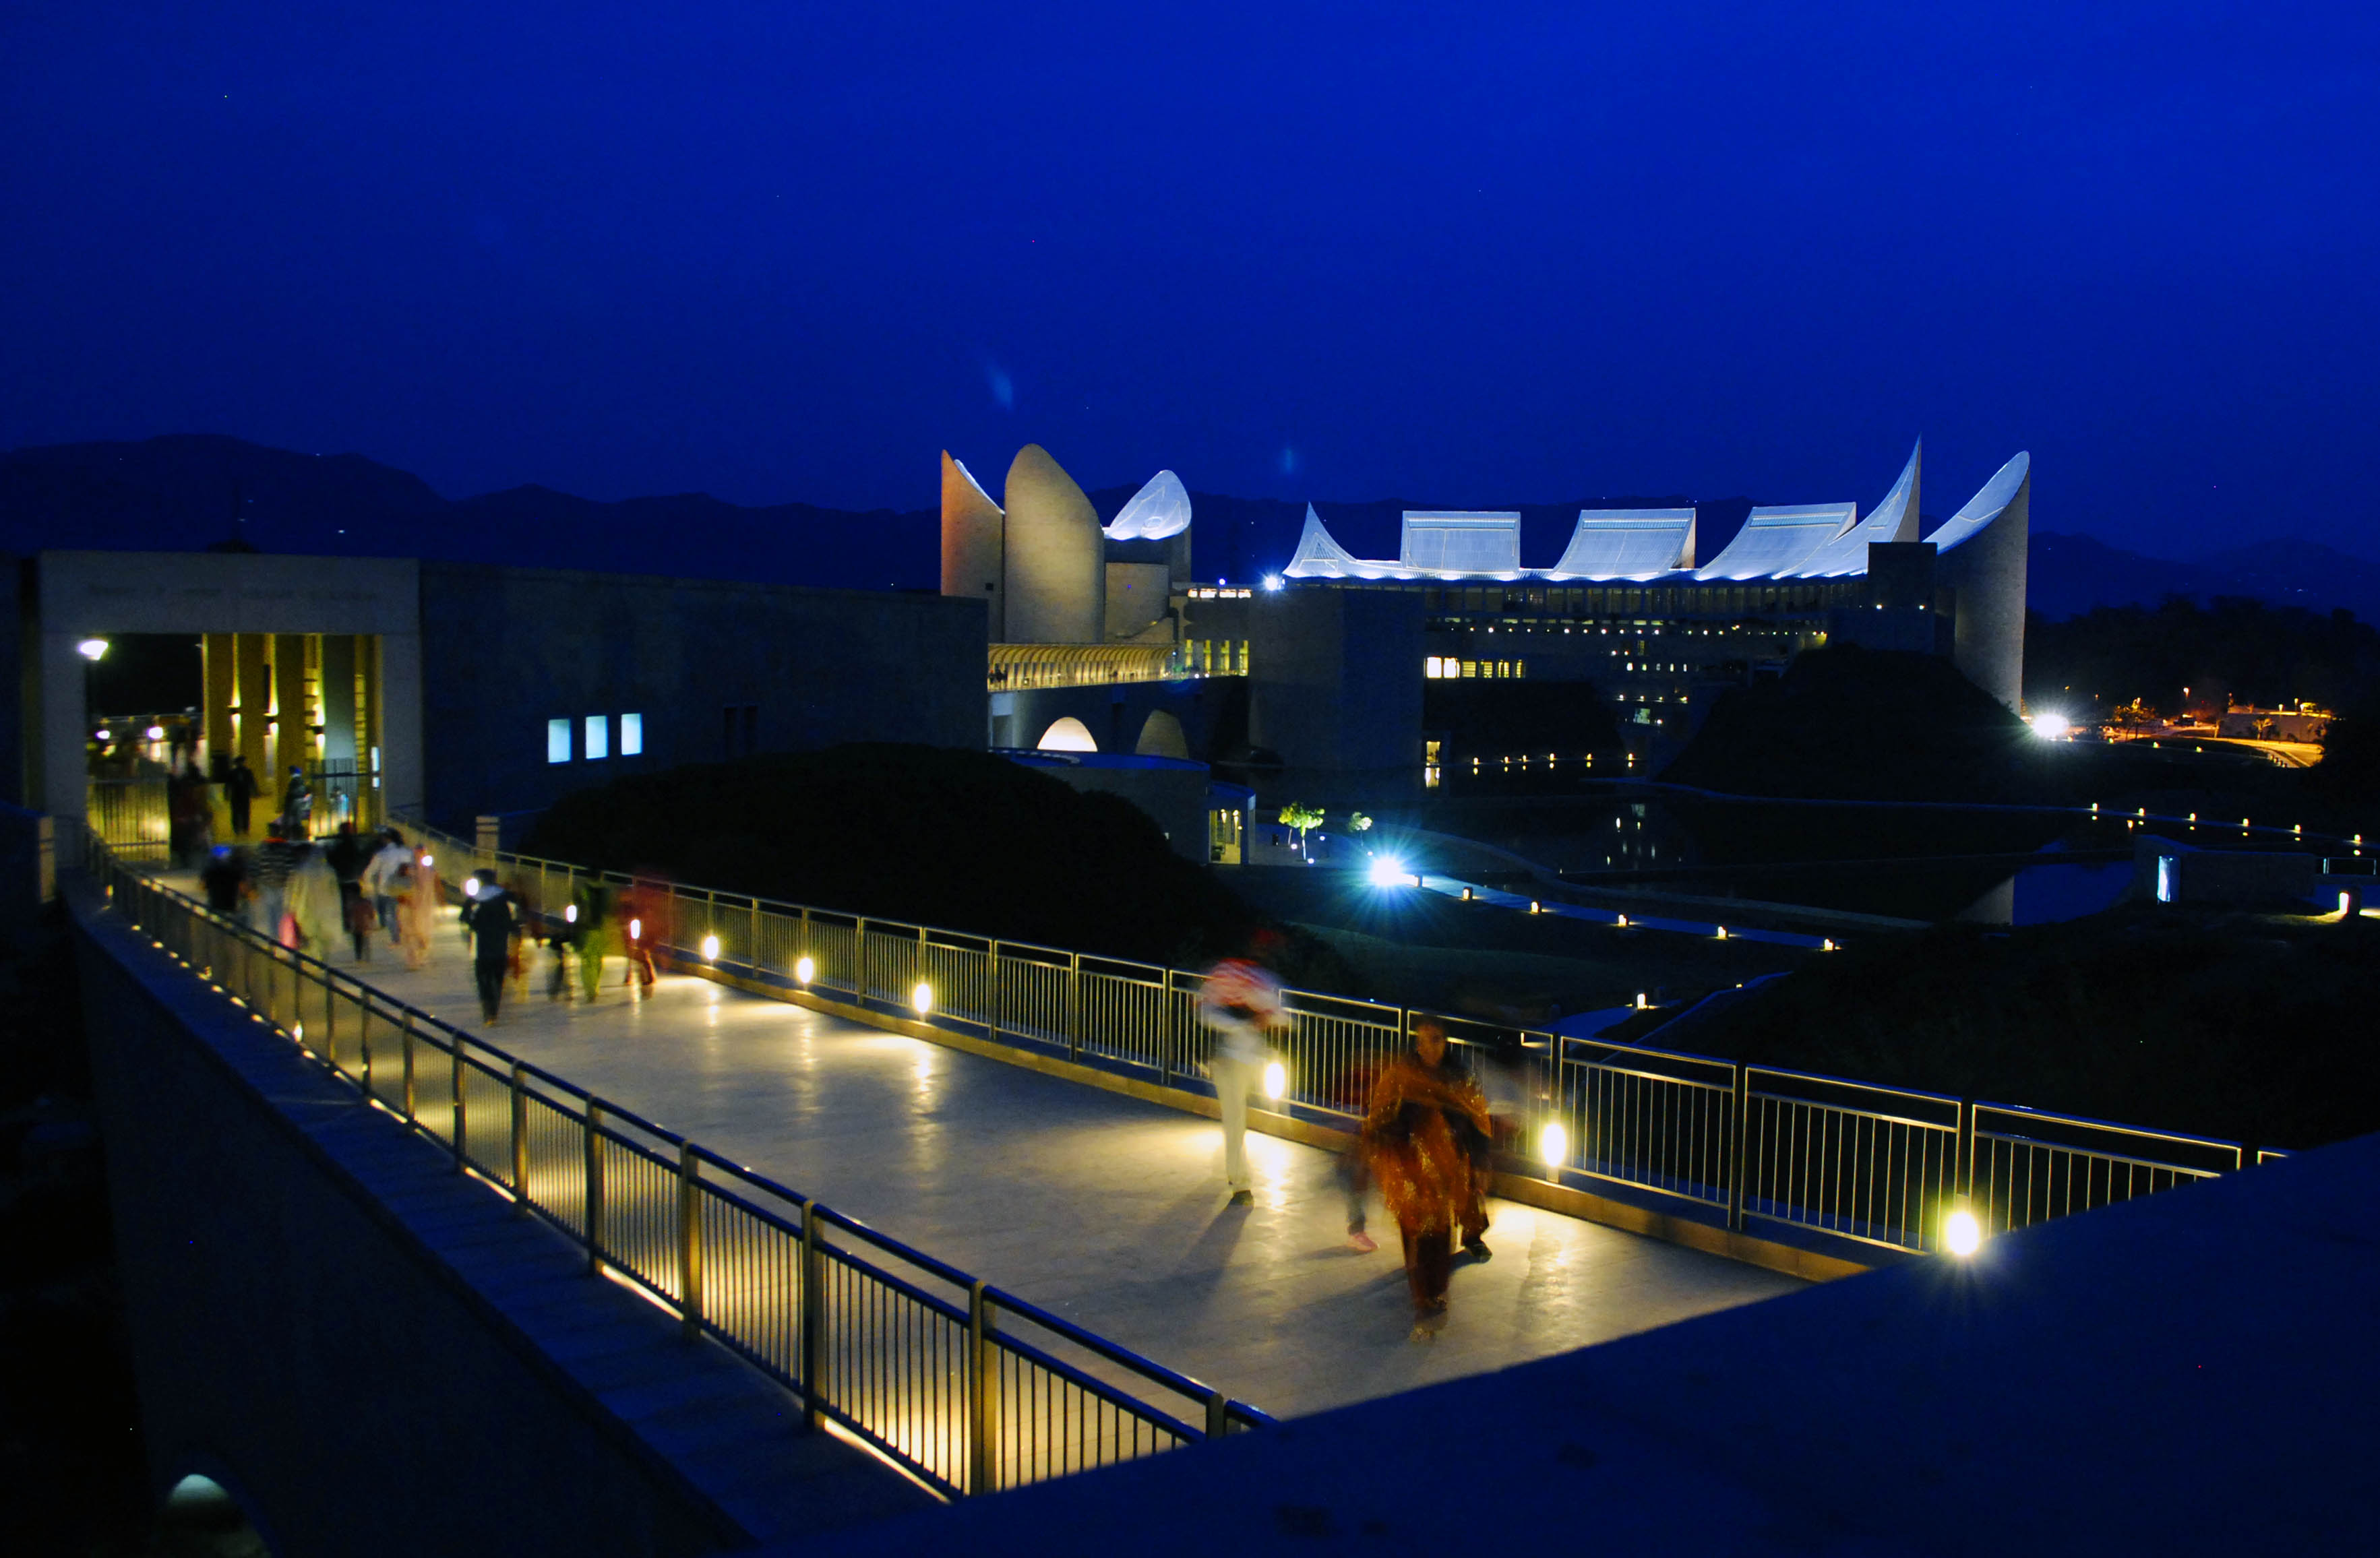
1387	871
570	914
91	648
1553	1145
1962	1235
636	930
1276	1080
470	886
922	997
428	861
156	732
1722	933
805	970
709	949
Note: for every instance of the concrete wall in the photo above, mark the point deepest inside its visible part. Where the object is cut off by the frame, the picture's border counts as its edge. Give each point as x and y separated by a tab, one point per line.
506	649
293	1344
1335	676
1212	712
1987	572
79	594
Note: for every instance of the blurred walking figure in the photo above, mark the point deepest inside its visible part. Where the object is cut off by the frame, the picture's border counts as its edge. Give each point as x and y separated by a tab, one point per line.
593	902
1426	1127
379	881
642	909
491	917
347	855
298	803
417	907
269	870
239	793
226	879
1241	1001
315	904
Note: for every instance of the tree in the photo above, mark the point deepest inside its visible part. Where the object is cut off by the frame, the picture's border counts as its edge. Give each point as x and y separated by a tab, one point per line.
1303	817
1358	823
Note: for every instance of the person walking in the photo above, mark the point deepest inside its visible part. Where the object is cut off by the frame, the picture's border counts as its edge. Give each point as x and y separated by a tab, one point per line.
315	906
593	902
492	916
347	855
298	803
239	793
269	869
1426	1122
378	881
1241	1002
416	908
224	878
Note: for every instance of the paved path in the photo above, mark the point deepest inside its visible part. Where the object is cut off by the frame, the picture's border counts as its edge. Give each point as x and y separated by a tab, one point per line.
1105	1209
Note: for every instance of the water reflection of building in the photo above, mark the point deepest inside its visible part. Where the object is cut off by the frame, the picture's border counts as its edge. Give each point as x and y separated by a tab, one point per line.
1454	653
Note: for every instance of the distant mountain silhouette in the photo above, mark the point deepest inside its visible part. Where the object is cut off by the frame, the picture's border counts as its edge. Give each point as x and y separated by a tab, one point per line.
194	491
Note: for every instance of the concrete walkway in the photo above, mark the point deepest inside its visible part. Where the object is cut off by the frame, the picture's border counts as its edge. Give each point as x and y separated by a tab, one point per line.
1105	1209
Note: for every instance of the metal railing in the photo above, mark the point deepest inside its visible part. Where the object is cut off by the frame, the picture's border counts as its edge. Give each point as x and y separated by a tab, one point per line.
132	814
966	1386
1745	1145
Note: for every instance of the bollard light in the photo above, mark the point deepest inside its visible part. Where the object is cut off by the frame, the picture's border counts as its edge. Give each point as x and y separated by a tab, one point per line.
805	970
1722	933
1553	1145
709	949
1276	1080
470	886
922	997
429	860
570	915
636	930
1962	1235
156	732
298	1032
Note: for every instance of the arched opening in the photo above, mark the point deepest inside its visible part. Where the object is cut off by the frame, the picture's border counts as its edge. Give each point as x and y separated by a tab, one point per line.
1067	735
201	1515
1161	736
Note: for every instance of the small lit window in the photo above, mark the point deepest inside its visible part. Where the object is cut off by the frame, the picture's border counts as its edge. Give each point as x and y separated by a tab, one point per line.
1471	668
632	735
557	741
599	736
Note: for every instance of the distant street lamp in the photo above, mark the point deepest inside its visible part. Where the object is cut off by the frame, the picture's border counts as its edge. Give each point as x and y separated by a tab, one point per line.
92	648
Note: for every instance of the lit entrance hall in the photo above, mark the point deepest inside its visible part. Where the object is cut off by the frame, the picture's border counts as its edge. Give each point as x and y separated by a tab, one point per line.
1108	1210
233	667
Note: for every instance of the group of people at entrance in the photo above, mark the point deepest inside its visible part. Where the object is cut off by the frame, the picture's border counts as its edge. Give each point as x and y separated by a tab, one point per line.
313	895
598	922
1425	1141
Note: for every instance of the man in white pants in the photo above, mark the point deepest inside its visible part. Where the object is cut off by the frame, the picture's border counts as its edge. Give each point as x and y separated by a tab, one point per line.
1241	1001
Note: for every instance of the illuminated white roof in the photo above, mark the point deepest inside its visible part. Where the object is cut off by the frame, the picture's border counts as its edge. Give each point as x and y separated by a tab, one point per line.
972	482
1984	506
1461	543
1895	519
1158	510
1628	544
1776	541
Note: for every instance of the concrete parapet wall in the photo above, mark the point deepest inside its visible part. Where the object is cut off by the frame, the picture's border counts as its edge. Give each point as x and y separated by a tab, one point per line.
304	1332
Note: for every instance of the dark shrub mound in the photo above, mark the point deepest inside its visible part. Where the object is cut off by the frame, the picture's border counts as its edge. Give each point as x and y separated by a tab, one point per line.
958	839
1849	723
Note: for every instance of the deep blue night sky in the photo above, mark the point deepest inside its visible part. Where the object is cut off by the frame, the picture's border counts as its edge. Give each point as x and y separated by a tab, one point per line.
779	251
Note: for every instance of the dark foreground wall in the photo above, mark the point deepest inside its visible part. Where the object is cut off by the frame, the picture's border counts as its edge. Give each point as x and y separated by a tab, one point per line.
371	1352
715	671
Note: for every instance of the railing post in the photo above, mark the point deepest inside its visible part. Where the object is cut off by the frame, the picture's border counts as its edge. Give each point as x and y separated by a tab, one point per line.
689	1242
860	933
521	1138
996	1019
330	1020
1219	1414
982	1469
594	1172
405	1039
813	1317
1737	1170
1166	1024
455	1086
364	1052
1075	1006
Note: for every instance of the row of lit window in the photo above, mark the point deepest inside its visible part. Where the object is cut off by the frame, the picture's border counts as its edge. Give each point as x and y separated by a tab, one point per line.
1439	668
599	737
1206	593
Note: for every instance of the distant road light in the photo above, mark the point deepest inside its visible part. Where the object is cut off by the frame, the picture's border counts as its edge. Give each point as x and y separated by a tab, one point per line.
91	648
2052	726
1272	581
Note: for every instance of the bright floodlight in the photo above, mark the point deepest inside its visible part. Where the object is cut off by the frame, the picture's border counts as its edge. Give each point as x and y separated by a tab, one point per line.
2051	726
1387	871
1272	581
805	968
1962	1235
1553	1145
1276	1080
91	648
922	997
709	949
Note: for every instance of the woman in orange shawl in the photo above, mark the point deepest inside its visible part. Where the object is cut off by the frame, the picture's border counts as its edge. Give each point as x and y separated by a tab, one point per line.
1426	1127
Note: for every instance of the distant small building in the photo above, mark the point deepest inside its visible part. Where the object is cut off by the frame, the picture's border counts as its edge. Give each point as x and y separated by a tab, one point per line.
2304	724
